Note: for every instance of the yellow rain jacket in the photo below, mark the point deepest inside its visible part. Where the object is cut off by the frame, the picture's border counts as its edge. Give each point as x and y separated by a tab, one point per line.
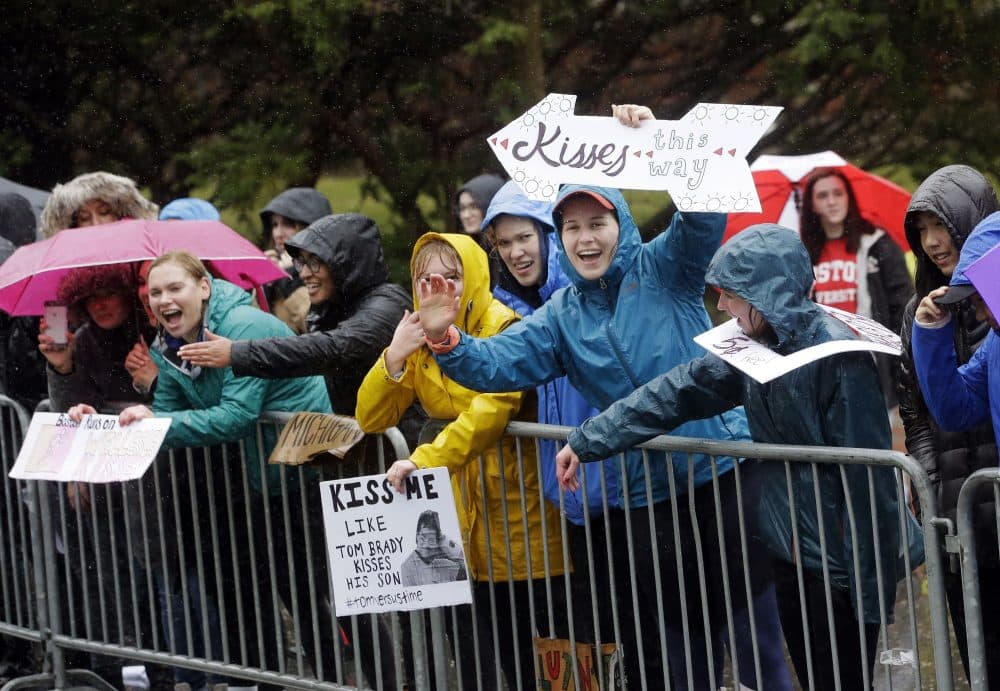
478	421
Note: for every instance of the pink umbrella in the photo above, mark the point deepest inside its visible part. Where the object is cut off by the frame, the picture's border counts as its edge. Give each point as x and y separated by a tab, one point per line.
32	274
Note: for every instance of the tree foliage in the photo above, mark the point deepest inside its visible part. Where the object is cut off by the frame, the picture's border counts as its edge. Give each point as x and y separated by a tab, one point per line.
243	98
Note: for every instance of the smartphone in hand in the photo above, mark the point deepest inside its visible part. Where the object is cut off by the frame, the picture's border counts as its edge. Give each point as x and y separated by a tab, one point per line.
56	324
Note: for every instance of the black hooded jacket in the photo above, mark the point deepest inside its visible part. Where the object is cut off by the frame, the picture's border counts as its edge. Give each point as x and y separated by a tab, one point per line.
347	333
300	204
22	366
960	197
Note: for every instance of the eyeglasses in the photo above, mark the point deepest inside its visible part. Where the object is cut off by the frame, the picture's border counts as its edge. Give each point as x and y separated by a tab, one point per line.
314	264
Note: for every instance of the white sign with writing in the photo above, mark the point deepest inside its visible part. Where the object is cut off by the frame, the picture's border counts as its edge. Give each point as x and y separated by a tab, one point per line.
763	364
700	159
97	449
394	551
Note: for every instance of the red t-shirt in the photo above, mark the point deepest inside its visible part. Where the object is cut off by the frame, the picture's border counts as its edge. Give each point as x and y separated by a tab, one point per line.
836	276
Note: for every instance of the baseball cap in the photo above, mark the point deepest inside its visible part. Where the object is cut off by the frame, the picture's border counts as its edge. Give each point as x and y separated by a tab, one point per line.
983	238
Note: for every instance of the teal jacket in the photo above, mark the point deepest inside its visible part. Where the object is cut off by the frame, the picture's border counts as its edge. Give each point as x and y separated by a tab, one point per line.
835	401
212	406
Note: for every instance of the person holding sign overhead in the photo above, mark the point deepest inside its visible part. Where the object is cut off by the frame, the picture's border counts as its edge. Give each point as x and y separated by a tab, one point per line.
765	275
506	548
629	316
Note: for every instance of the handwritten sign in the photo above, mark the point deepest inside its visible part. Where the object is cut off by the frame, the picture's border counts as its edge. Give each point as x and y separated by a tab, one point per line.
308	434
392	551
983	273
97	449
700	159
763	364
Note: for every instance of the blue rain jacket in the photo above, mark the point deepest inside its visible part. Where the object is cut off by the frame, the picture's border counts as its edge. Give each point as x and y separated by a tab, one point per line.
834	401
558	402
614	334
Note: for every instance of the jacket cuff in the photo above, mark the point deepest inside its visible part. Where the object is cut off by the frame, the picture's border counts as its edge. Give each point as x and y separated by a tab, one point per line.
452	337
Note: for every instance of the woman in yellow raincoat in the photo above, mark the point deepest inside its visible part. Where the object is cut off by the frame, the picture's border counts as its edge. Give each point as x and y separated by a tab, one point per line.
501	556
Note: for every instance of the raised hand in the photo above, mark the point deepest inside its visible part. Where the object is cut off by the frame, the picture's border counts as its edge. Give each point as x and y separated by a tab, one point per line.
407	339
631	115
214	351
928	311
438	302
140	365
60	357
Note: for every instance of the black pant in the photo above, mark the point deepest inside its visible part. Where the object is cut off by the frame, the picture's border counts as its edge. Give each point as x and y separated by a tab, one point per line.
680	555
515	629
820	649
989	600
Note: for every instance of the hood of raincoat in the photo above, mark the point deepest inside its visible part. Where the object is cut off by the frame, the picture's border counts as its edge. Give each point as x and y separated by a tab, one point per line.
17	219
299	204
961	197
510	200
351	247
476	296
118	192
768	266
189	209
629	239
482	188
983	239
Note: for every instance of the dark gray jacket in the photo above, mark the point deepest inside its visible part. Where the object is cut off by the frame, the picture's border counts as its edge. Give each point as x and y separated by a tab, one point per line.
99	376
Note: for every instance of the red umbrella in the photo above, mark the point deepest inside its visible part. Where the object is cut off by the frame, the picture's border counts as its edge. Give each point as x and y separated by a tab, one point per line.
780	179
32	274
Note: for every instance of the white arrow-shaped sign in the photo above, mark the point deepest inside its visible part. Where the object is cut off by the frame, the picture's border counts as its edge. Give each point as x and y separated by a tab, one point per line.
700	159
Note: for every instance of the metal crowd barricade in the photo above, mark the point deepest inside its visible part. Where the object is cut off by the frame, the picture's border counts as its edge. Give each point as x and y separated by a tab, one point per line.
971	549
654	664
212	564
23	613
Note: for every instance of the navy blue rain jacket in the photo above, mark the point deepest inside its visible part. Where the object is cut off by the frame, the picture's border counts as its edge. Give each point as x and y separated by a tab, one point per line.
835	401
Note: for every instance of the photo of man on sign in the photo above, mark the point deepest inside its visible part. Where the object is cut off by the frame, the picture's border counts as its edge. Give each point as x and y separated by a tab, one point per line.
436	559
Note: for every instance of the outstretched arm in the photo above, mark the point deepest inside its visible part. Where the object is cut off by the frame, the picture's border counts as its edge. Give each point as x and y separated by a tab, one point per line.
693	390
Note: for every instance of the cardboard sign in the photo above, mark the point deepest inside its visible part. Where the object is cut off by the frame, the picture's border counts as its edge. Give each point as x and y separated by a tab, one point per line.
700	159
97	449
391	551
555	665
308	434
728	342
983	273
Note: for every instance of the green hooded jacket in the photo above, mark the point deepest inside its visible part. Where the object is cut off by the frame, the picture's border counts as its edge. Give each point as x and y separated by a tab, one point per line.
213	406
